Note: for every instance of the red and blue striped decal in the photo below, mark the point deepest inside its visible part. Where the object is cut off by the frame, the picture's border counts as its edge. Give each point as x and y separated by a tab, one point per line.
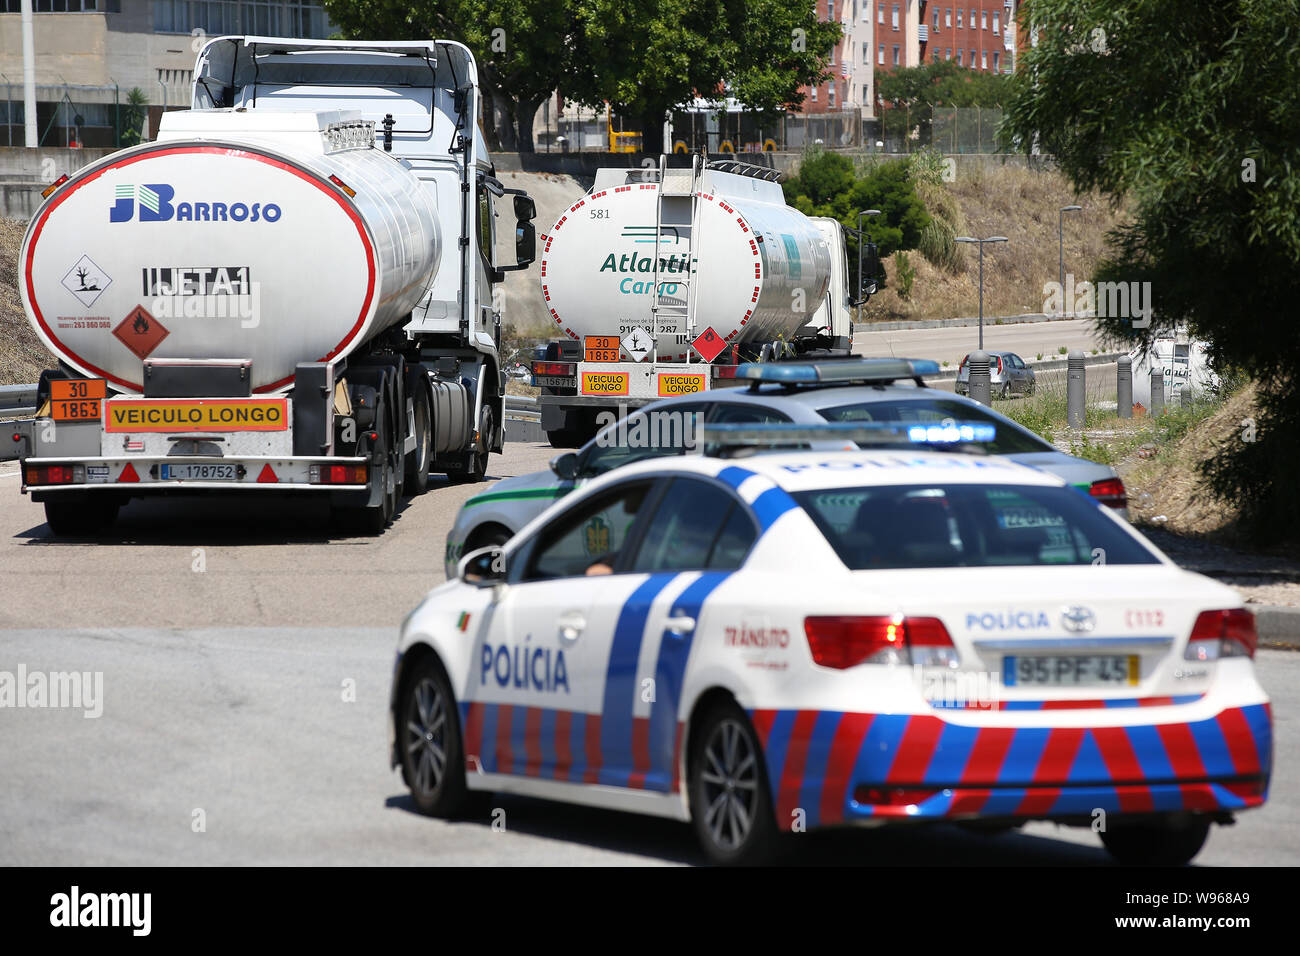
662	728
620	759
1113	702
815	760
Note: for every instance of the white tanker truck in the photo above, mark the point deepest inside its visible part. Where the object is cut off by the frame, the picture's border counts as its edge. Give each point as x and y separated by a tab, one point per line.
662	282
289	291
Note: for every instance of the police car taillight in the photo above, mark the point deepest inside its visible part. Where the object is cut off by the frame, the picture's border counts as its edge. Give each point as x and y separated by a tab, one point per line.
1227	633
842	641
1109	492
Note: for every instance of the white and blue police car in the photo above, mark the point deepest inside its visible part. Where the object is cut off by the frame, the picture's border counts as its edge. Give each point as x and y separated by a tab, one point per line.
767	642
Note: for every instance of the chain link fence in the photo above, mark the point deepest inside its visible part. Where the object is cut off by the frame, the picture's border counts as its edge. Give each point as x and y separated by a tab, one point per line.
70	116
946	129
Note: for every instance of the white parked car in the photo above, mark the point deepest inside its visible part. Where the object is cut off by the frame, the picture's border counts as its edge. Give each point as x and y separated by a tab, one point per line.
814	638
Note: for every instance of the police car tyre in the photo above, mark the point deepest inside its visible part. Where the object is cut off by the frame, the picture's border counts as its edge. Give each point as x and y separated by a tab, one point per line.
1006	390
1170	842
417	462
80	515
429	742
731	805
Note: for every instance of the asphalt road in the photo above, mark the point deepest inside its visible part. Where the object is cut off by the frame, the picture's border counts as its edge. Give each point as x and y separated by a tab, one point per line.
243	709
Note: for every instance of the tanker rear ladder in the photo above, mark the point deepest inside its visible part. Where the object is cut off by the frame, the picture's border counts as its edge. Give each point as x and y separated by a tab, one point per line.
678	195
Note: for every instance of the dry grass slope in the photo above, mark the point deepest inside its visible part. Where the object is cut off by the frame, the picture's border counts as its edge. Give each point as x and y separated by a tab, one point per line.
1023	205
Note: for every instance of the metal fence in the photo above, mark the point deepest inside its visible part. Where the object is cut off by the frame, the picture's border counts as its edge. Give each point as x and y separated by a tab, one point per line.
947	129
68	115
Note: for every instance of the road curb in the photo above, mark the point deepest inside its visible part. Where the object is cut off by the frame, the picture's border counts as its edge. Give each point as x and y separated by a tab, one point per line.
964	321
1277	625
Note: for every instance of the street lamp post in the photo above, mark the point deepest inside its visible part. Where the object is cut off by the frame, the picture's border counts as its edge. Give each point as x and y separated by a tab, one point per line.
1060	246
981	245
857	294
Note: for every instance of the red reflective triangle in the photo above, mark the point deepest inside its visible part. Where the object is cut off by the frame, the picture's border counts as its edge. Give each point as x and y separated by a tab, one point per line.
128	473
267	476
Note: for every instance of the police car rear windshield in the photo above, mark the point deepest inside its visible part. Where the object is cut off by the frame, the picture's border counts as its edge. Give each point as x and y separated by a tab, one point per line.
1010	440
968	526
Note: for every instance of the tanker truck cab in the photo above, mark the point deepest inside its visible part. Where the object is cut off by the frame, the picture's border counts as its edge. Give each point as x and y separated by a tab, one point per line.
661	282
291	291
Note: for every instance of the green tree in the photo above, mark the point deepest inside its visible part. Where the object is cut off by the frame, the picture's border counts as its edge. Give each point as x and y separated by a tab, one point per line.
132	116
1189	110
944	83
828	185
646	57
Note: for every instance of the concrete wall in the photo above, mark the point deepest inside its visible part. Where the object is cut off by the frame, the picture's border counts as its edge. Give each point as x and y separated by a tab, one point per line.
25	172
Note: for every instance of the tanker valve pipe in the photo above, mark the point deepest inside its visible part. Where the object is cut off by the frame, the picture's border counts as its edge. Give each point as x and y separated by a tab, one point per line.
388	132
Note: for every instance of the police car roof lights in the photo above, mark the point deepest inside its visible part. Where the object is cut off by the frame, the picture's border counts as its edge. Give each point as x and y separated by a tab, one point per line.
720	438
839	371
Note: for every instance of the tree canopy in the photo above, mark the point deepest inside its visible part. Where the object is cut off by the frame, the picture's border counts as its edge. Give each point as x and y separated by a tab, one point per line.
643	57
829	185
1190	111
945	83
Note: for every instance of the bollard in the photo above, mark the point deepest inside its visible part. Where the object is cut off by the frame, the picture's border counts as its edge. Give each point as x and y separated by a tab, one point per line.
1074	389
977	367
1124	386
1157	391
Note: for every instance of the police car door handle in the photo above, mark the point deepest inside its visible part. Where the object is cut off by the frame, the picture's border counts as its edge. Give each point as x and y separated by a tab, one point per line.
680	625
571	625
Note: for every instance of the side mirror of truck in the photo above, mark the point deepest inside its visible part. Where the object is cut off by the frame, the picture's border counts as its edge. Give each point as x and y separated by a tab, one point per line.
482	568
525	243
525	208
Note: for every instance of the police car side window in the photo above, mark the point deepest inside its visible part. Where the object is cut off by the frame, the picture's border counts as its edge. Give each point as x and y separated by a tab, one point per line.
652	433
692	519
588	539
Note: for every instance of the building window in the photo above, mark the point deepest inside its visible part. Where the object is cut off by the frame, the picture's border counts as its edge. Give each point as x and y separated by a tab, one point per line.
995	23
812	94
947	54
895	17
866	11
984	59
60	6
830	94
972	18
299	19
972	59
959	57
866	55
895	54
880	13
936	18
995	61
880	55
984	19
830	10
947	17
960	13
866	94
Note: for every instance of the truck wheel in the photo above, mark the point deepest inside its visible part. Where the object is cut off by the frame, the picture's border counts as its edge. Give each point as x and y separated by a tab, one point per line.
417	462
478	458
565	438
81	515
731	806
429	741
1156	842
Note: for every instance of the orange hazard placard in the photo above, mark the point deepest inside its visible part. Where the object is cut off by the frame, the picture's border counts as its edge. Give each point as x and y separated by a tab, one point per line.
605	383
602	348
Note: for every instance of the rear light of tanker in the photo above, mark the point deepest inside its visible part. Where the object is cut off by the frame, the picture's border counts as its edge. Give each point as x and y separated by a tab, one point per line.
1227	633
338	475
555	368
56	474
45	193
842	641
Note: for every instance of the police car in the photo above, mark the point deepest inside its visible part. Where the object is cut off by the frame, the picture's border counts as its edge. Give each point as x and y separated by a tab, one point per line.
786	640
853	390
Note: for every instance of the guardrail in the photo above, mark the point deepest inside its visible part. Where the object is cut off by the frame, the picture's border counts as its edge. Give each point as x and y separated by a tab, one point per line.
17	399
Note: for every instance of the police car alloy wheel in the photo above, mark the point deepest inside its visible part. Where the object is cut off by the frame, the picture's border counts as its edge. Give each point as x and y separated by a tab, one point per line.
1170	842
731	808
433	764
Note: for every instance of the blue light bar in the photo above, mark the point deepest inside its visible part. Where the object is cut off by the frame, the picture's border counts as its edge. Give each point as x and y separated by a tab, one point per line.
740	434
851	370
